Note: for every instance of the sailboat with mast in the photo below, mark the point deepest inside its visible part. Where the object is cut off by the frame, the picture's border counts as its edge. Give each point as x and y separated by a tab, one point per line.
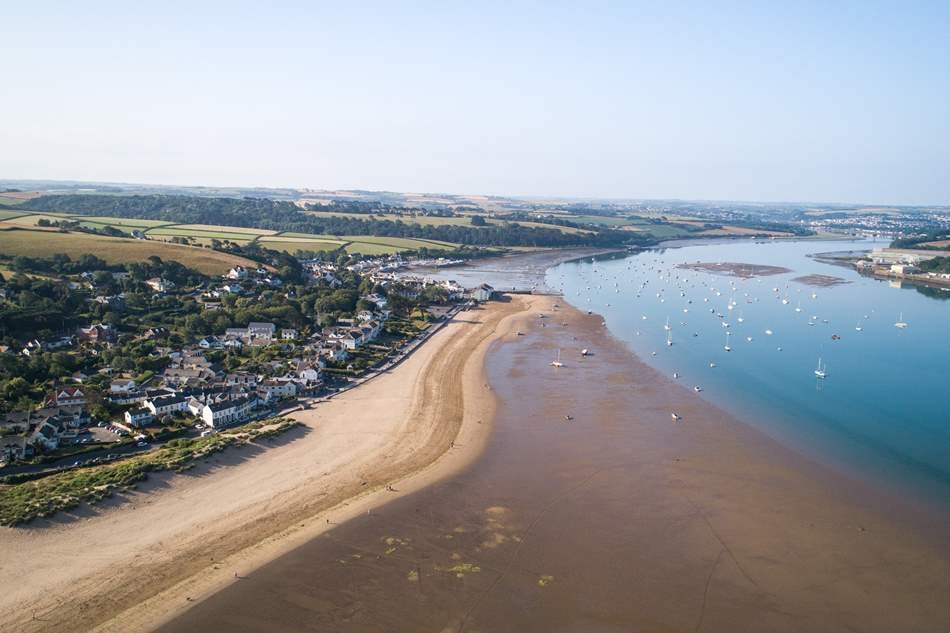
727	348
901	324
822	370
557	361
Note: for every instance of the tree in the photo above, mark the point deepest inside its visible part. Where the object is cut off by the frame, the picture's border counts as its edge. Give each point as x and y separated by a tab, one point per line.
478	220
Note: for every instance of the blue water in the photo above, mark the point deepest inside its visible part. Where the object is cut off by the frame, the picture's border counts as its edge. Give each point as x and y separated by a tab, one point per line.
881	412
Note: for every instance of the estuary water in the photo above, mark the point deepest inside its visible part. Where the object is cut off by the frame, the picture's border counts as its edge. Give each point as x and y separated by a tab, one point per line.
880	412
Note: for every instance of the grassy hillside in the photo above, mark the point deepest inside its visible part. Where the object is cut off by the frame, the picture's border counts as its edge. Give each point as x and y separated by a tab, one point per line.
202	234
17	241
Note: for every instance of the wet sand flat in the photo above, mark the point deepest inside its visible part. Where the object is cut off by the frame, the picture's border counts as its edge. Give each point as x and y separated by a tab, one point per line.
617	519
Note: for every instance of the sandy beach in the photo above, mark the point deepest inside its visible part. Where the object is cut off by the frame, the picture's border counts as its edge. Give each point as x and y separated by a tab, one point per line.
590	510
131	563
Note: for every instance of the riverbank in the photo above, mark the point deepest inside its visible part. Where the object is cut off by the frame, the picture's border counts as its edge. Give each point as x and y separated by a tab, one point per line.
130	563
592	510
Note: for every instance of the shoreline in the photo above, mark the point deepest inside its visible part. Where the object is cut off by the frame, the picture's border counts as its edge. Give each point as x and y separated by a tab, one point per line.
434	430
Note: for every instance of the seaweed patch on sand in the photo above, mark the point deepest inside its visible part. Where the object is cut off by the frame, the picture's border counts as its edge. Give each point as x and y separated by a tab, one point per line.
821	281
734	269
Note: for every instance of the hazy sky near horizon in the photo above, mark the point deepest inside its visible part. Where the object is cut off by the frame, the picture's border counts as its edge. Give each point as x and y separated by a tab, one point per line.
823	101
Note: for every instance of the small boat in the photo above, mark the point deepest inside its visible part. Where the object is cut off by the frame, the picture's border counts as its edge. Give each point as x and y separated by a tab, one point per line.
697	388
676	374
585	352
858	327
667	326
901	324
726	347
557	361
748	338
821	371
519	333
712	364
768	332
675	417
669	339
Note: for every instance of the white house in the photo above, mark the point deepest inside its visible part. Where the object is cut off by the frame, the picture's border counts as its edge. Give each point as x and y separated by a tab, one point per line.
165	405
221	414
261	331
138	417
124	385
272	389
68	396
160	285
238	272
483	292
288	334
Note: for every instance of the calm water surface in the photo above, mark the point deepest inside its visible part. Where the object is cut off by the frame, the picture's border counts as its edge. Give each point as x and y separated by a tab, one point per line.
881	412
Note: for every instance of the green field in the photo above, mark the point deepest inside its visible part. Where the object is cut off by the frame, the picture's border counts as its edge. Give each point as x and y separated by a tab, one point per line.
120	222
175	231
431	220
7	214
364	244
228	229
115	250
599	220
161	232
33	218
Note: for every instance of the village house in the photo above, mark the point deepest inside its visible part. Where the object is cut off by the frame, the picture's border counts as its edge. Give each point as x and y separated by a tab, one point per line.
97	334
127	397
253	334
334	352
288	334
167	405
238	272
123	385
15	448
276	389
190	376
153	333
214	342
262	331
138	418
67	396
160	285
482	293
225	413
241	379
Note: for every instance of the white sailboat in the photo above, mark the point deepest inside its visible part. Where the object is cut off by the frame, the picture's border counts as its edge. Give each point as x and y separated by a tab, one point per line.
821	371
557	361
669	338
667	326
901	324
727	348
858	327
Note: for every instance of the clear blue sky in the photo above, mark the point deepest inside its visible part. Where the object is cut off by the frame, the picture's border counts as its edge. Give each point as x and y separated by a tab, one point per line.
750	101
